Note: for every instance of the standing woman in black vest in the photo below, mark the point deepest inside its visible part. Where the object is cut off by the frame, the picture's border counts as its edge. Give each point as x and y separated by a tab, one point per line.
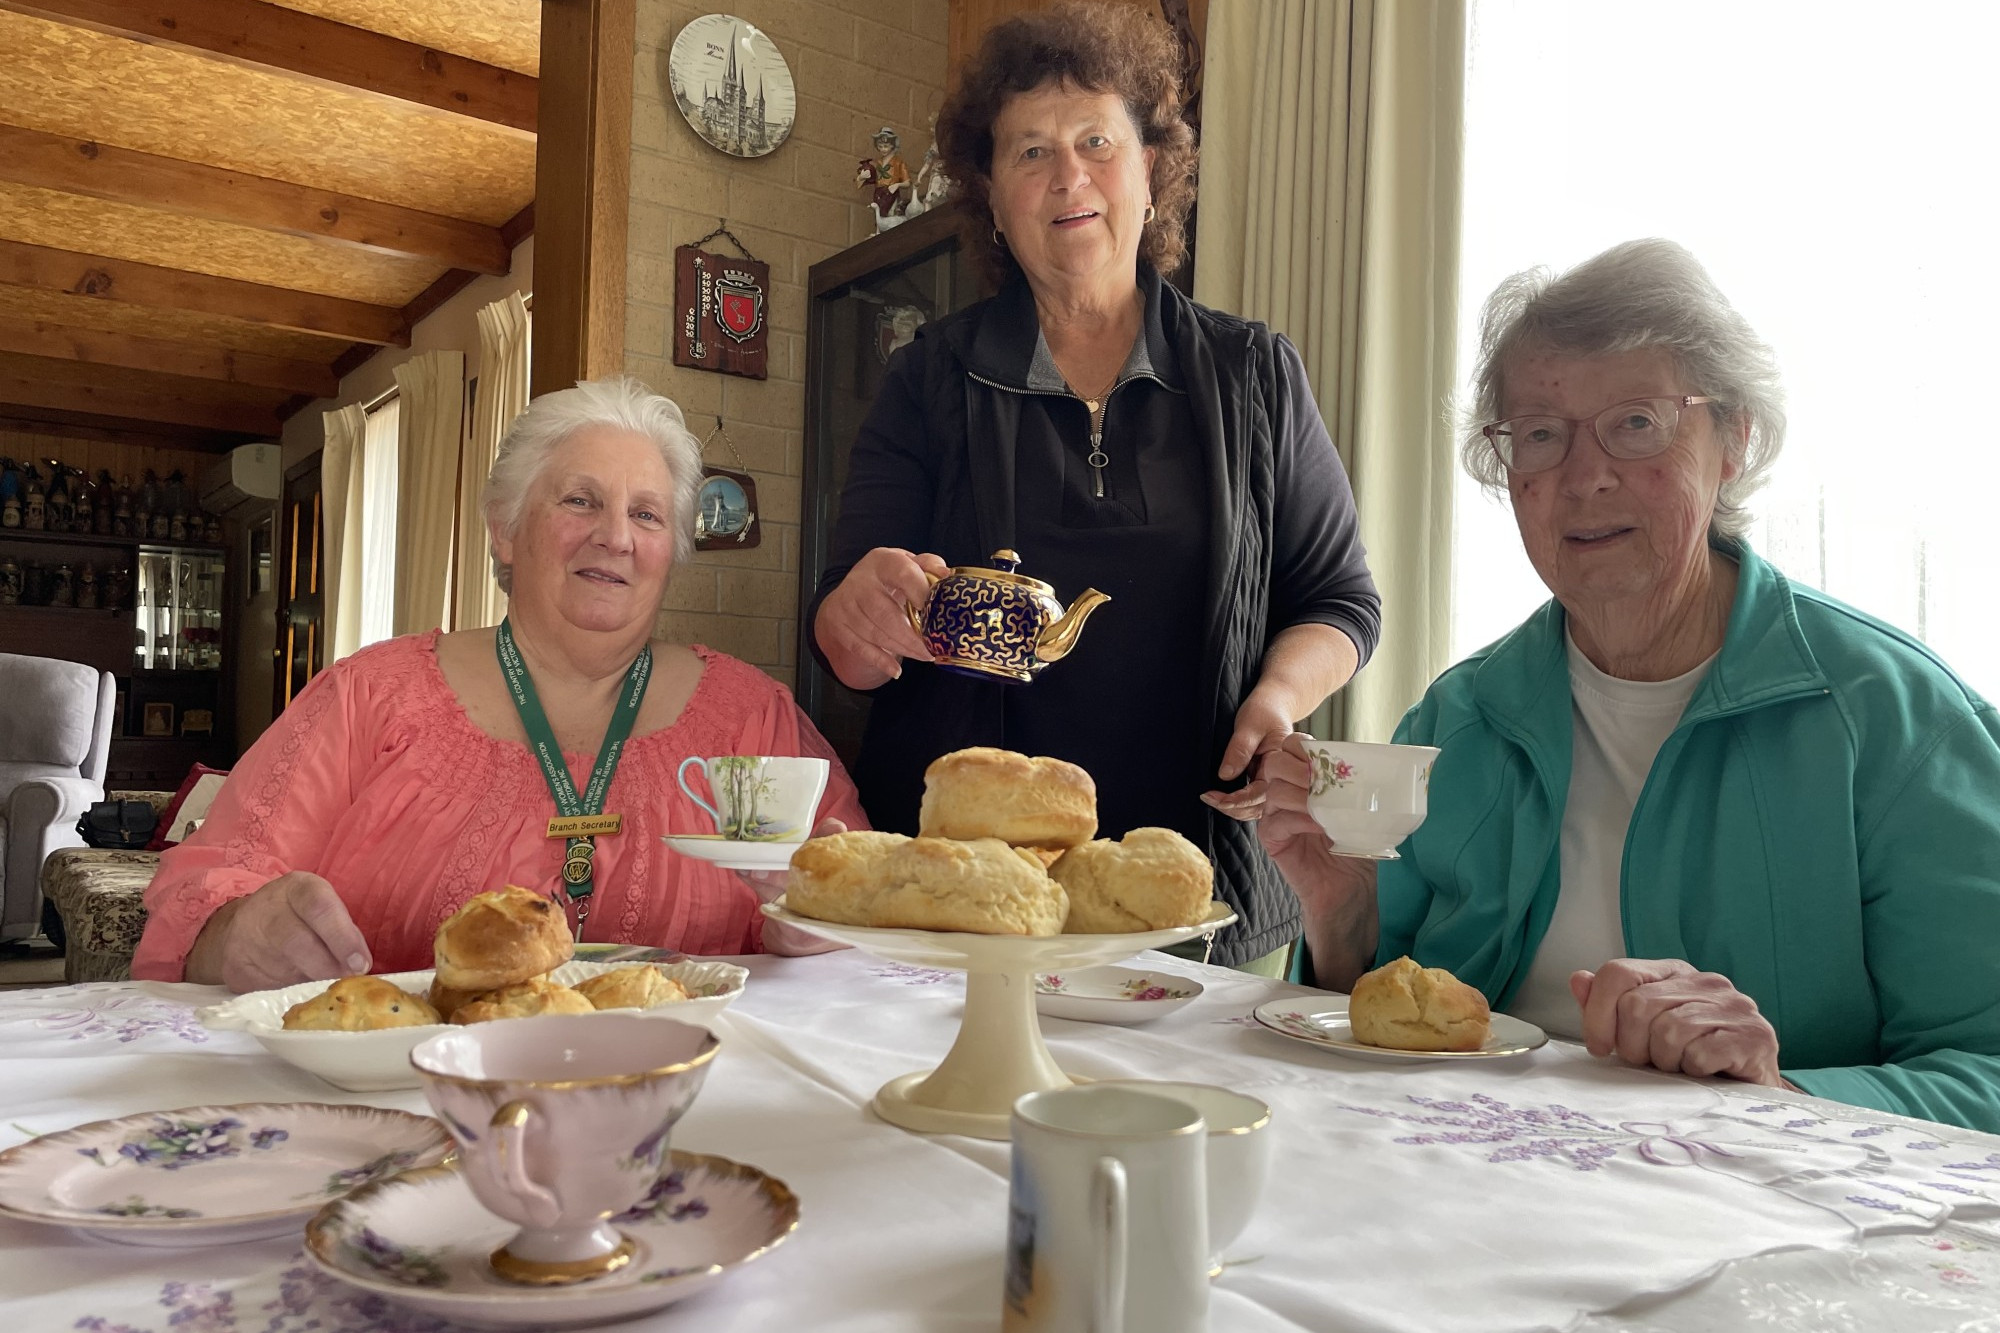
1119	436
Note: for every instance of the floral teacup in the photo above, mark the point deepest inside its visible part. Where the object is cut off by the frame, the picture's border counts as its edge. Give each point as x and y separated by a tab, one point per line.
562	1121
1369	798
759	798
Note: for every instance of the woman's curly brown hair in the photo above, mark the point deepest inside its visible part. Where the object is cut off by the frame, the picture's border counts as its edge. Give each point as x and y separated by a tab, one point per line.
1098	46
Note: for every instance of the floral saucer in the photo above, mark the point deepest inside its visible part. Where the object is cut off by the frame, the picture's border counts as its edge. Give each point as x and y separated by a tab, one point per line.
423	1240
205	1175
1112	994
733	853
1323	1023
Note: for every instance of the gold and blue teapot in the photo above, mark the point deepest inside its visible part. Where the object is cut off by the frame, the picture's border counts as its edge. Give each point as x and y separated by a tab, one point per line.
997	624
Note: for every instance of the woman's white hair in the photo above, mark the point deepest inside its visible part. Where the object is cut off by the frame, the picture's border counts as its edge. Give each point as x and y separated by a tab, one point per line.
1642	294
621	403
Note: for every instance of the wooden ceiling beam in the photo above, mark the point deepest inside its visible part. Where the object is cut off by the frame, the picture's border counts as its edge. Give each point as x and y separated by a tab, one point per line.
306	46
104	278
104	171
21	395
78	426
194	361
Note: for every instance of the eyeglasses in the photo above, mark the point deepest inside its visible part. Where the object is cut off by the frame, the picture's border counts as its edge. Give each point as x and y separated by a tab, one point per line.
1638	429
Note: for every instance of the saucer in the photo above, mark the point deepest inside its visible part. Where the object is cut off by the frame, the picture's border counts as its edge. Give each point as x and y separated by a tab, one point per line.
421	1239
1112	994
206	1175
733	853
1323	1023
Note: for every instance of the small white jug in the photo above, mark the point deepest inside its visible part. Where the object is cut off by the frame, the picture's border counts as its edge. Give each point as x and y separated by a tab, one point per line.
1108	1214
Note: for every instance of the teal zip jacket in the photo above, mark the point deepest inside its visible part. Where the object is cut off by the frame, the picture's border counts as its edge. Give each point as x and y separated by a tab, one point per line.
1822	828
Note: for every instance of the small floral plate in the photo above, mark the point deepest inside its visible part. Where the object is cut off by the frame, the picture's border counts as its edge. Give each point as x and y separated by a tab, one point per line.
423	1240
205	1175
1323	1023
1112	994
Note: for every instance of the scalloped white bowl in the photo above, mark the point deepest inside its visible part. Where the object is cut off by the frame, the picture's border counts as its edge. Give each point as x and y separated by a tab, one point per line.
379	1060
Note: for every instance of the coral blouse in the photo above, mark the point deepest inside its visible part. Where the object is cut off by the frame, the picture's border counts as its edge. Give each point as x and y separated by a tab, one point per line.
376	780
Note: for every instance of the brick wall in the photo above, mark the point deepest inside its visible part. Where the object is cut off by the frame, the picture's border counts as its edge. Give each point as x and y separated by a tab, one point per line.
857	65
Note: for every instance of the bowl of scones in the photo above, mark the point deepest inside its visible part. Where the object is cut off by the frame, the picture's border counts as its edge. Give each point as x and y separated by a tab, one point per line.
505	954
1006	846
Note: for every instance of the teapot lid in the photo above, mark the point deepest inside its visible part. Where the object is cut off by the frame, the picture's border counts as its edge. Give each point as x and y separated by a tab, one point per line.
1003	563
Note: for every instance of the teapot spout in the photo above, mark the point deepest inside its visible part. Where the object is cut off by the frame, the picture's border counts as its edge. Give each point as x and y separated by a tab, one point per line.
1060	637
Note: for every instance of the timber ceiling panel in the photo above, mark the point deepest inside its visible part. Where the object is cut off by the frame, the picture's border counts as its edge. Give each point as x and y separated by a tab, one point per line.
146	236
90	85
507	33
210	209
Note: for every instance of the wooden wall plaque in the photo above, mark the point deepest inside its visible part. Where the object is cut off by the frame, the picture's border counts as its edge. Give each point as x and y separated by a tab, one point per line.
721	313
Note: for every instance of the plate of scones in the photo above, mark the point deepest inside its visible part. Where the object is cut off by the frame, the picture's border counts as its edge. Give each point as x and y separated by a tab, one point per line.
504	954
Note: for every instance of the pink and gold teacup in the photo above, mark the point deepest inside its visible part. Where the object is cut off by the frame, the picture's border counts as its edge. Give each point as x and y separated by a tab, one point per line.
562	1122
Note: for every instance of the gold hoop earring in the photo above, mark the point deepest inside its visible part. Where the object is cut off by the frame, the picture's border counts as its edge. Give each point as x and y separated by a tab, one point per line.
998	239
1151	213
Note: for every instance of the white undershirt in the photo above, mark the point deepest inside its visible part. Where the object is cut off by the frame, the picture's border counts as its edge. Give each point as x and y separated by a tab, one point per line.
1619	726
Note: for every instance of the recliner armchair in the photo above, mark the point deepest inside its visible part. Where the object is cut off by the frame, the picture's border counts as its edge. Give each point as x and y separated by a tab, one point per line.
55	740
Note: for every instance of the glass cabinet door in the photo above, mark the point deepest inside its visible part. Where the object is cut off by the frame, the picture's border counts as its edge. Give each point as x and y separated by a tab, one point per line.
179	606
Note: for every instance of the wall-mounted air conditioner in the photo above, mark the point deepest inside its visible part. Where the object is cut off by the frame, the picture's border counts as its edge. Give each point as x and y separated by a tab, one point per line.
245	476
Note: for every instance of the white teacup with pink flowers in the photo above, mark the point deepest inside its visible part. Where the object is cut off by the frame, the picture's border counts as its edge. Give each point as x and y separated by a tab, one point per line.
1369	797
562	1122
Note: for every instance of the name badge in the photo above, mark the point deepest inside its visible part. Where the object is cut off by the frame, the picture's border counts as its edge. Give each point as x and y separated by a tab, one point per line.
583	826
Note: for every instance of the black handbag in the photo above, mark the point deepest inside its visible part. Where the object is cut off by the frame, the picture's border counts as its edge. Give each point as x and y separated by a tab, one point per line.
124	824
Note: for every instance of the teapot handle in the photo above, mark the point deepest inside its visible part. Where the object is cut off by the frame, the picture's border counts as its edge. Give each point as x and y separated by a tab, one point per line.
916	613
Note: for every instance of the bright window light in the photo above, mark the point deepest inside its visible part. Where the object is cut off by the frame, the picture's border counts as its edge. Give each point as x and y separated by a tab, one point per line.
1831	166
378	522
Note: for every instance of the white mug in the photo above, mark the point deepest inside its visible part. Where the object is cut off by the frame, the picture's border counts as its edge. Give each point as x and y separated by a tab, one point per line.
1239	1155
759	798
1107	1214
1369	798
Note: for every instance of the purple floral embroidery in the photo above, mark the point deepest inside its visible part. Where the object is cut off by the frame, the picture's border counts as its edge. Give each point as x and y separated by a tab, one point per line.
1880	1205
911	976
1870	1132
126	1019
1526	1132
1992	1163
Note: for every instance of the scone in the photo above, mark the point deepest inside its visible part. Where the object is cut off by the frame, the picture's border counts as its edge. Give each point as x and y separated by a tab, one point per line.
359	1004
982	886
1151	880
523	999
987	793
1410	1008
446	1000
636	987
500	938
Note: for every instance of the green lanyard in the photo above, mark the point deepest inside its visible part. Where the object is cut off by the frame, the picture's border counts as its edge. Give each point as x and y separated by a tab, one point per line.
578	819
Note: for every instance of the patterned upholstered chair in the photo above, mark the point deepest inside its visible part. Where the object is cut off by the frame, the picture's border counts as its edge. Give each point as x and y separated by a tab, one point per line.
100	894
55	739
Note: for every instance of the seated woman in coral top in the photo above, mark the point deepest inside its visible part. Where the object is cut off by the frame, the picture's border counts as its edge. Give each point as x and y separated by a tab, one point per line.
402	780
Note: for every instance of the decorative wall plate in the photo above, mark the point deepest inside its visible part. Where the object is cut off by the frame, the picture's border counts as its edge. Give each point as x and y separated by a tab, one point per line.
733	86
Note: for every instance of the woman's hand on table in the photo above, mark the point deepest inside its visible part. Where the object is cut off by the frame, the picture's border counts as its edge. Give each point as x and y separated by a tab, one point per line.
780	938
293	929
1664	1013
863	626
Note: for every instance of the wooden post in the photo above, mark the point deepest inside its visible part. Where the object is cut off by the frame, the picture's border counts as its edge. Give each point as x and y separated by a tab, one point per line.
582	190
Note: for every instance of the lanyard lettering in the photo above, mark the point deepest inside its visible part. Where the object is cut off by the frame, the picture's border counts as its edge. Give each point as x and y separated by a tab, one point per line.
579	819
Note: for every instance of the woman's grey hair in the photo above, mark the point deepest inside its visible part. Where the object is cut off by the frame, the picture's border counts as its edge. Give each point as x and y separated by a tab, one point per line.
1642	294
621	403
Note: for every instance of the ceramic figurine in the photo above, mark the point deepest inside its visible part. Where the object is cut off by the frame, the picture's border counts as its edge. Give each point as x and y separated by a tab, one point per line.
86	587
211	531
62	587
10	581
35	512
83	505
118	588
887	177
932	187
121	518
10	493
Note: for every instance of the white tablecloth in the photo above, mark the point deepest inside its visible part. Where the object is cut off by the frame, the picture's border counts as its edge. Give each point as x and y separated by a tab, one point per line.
1554	1191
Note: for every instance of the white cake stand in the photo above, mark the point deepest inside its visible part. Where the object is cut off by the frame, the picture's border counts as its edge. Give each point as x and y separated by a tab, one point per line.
999	1054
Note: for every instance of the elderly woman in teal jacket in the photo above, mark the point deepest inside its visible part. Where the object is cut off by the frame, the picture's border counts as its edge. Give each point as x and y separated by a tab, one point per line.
1688	813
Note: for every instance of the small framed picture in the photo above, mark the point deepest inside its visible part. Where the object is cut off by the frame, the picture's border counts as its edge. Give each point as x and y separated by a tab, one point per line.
198	721
726	517
159	719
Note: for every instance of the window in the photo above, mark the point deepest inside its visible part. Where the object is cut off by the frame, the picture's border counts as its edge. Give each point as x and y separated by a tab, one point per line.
380	459
1829	165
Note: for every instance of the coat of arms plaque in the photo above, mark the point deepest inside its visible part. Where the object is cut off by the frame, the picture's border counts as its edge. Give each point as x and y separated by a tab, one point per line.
720	306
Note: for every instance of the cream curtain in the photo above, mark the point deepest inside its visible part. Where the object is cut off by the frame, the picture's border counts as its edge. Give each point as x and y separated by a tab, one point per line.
1330	179
502	396
340	483
432	389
